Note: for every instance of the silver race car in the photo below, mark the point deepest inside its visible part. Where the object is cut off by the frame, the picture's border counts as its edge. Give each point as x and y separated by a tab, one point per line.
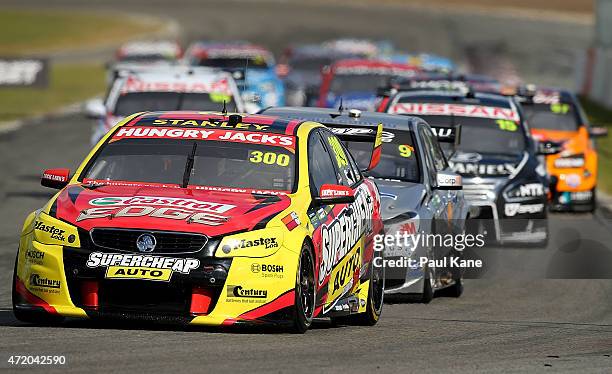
421	197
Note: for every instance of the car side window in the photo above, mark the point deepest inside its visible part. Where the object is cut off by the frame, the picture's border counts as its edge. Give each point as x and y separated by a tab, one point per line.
341	158
322	169
436	150
429	159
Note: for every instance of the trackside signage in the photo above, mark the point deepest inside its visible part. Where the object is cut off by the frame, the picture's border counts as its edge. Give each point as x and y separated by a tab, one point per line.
24	72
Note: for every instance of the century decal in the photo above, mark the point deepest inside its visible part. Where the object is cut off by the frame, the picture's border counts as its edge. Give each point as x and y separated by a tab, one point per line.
239	291
347	228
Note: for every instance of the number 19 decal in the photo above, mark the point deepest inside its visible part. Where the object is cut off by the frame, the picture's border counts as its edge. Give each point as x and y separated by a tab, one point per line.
269	158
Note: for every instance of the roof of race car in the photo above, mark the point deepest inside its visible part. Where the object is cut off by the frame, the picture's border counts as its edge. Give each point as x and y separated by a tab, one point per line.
186	119
316	50
433	80
229	49
372	64
161	47
327	116
177	79
479	98
547	95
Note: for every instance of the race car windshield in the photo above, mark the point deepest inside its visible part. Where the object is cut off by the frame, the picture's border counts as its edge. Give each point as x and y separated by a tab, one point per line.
214	164
502	136
257	62
135	102
343	84
310	64
398	160
560	117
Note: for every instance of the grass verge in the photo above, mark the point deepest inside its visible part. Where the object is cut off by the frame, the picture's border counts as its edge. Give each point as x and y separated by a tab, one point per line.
42	31
68	83
601	116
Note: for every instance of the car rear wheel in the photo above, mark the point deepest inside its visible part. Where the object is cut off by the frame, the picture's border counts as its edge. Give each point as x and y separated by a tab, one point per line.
374	304
304	291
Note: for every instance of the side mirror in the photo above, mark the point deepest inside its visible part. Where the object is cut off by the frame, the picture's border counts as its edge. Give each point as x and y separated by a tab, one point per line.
55	178
549	148
330	194
598	132
448	181
95	109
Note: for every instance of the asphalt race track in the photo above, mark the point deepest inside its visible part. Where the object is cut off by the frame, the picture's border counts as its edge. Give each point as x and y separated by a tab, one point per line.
515	321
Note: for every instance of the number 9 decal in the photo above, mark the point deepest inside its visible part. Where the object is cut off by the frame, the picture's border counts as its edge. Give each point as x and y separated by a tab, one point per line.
405	150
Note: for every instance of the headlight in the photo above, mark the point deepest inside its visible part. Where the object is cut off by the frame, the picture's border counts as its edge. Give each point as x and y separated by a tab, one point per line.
576	161
49	230
526	190
258	243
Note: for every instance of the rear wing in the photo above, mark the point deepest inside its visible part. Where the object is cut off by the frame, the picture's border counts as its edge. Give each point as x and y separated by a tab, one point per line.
447	134
361	134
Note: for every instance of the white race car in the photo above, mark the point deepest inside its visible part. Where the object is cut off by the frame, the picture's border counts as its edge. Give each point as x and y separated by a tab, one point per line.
158	89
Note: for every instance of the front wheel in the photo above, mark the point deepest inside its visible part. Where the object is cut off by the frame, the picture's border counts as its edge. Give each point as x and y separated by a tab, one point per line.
304	291
30	316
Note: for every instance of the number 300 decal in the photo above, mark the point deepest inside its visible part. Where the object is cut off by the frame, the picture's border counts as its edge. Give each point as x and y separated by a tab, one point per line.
269	158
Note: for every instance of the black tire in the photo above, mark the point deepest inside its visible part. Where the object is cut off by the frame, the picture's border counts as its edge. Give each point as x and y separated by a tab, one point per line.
428	288
30	316
456	290
376	293
593	205
304	291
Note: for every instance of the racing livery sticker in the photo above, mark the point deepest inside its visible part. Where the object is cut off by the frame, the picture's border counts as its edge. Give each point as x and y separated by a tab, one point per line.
146	267
477	111
214	134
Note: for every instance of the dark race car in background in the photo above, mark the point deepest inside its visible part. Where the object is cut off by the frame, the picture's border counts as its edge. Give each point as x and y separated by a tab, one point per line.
420	194
301	65
497	158
354	83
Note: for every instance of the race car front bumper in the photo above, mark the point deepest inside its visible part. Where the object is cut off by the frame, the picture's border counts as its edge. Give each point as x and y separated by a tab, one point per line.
221	291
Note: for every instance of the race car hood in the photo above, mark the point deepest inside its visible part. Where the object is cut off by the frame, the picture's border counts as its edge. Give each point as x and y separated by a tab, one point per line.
555	136
571	140
399	197
471	164
212	213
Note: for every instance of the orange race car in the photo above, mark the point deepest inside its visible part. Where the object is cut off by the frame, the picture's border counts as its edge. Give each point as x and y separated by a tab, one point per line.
556	115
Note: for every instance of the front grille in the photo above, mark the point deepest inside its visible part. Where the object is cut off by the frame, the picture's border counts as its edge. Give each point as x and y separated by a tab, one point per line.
479	192
166	241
